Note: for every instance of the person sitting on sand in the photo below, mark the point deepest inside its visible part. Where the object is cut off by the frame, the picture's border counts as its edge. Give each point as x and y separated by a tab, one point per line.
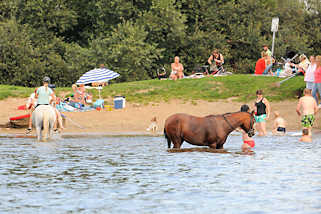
305	136
307	108
248	142
279	125
78	99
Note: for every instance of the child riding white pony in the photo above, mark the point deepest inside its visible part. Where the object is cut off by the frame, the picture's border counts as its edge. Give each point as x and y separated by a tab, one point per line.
44	118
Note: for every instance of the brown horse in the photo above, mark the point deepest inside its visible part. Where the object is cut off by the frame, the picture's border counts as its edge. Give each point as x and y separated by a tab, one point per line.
211	131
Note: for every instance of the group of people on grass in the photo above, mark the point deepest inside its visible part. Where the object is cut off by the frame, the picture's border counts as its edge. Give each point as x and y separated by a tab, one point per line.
265	63
215	61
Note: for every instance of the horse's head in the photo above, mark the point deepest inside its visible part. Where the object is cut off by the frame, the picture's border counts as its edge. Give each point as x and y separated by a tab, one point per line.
248	124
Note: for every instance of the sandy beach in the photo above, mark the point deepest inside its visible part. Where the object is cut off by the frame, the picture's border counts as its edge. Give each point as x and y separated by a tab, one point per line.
136	118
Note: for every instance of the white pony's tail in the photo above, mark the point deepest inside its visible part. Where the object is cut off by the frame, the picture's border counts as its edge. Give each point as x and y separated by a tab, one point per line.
45	125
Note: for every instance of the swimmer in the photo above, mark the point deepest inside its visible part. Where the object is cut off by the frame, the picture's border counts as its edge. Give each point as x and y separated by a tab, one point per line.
279	125
305	136
248	142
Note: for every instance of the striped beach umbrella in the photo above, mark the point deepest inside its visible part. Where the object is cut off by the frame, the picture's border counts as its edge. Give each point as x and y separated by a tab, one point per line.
99	75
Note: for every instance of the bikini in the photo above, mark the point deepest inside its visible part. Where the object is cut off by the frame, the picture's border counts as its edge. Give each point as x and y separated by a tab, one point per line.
251	143
175	70
281	129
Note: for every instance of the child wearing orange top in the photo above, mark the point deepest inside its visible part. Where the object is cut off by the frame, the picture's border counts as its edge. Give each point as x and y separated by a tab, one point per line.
248	142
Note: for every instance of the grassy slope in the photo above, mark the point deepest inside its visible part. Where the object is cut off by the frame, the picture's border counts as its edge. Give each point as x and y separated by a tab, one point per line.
240	87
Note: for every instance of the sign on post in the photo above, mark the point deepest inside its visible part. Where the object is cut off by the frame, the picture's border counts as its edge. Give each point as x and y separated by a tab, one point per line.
274	28
275	24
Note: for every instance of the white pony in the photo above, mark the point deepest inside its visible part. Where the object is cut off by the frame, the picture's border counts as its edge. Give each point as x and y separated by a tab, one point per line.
44	117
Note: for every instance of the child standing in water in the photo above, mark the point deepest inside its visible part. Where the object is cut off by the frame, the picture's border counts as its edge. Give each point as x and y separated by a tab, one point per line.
279	125
248	142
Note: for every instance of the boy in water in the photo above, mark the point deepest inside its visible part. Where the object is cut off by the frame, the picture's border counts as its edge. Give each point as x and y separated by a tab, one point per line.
305	136
307	108
279	125
248	142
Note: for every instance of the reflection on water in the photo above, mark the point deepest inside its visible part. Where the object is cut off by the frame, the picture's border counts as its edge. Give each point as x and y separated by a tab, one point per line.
138	175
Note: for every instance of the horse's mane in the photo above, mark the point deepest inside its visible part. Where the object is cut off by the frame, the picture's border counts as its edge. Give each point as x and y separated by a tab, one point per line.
219	115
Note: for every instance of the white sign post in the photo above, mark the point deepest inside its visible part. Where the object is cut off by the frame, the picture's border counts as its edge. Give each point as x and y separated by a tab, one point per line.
274	28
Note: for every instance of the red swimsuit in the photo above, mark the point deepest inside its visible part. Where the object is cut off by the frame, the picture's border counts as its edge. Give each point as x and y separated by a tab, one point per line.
251	143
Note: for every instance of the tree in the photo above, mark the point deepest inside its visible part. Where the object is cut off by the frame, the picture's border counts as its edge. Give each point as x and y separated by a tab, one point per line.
18	58
166	27
126	52
311	26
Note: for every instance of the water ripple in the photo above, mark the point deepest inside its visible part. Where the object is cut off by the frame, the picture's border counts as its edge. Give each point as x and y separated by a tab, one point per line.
138	175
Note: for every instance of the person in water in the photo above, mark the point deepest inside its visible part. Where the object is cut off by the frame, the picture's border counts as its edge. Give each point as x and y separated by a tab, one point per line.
279	125
307	108
305	136
248	142
42	96
262	112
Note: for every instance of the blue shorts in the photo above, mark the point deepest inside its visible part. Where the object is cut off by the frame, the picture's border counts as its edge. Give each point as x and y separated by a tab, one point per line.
309	85
260	118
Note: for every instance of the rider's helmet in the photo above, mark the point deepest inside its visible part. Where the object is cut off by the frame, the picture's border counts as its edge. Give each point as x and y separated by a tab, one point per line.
46	79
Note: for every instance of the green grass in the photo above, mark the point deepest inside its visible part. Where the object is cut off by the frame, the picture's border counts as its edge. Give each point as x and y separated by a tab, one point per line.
239	87
14	91
7	91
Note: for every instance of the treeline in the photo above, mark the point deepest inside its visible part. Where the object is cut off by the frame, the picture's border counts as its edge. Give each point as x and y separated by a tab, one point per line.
65	38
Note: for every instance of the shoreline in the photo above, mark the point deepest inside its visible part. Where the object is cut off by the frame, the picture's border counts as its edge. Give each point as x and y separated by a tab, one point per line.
134	119
134	134
85	135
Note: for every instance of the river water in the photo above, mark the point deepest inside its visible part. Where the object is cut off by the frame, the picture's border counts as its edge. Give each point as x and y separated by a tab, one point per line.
138	175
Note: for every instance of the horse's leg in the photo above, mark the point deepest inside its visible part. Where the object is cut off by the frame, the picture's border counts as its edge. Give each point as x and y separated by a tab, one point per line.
51	125
219	146
212	145
177	141
38	131
168	143
220	143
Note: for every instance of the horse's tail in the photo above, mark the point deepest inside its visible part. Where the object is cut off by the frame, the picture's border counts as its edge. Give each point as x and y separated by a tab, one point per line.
167	138
45	124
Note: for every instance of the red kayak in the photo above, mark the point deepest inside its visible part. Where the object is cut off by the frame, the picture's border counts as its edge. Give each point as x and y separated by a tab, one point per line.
23	107
19	117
